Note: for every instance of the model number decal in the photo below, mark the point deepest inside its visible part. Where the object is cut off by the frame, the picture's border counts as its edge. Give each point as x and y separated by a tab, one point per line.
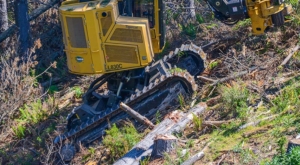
114	67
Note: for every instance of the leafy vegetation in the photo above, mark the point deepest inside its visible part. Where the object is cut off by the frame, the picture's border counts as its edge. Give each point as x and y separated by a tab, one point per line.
213	64
235	98
242	23
190	30
292	158
197	121
29	114
78	91
181	101
120	141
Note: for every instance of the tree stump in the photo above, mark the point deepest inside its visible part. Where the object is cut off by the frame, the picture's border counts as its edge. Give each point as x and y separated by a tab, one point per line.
163	144
292	143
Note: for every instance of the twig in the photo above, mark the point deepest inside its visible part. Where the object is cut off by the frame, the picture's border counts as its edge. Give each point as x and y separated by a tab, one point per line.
206	79
213	100
211	92
289	56
223	157
236	75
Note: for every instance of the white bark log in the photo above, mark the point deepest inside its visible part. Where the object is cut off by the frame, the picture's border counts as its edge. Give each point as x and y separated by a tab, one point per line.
175	122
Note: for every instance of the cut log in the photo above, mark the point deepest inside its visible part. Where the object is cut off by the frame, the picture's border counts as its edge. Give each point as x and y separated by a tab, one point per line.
136	115
175	122
163	144
194	158
292	143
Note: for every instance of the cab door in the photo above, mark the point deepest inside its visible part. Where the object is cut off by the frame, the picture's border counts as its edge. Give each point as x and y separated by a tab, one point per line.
78	52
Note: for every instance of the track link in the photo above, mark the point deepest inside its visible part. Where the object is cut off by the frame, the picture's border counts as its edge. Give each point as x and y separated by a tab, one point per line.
94	127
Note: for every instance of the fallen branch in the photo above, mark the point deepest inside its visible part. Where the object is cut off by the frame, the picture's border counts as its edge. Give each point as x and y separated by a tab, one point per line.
289	56
65	100
136	115
223	157
213	100
206	79
216	123
194	158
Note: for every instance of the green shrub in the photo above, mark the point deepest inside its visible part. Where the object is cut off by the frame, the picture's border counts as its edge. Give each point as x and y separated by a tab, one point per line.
199	19
235	98
288	97
120	141
53	89
243	23
190	30
293	158
78	92
197	121
19	131
32	113
29	114
213	64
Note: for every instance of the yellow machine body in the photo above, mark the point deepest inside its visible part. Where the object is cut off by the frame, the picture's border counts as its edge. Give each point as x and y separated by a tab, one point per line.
260	12
98	40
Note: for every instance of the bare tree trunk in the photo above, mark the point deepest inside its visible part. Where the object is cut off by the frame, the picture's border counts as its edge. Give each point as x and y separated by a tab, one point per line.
22	21
192	8
3	20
